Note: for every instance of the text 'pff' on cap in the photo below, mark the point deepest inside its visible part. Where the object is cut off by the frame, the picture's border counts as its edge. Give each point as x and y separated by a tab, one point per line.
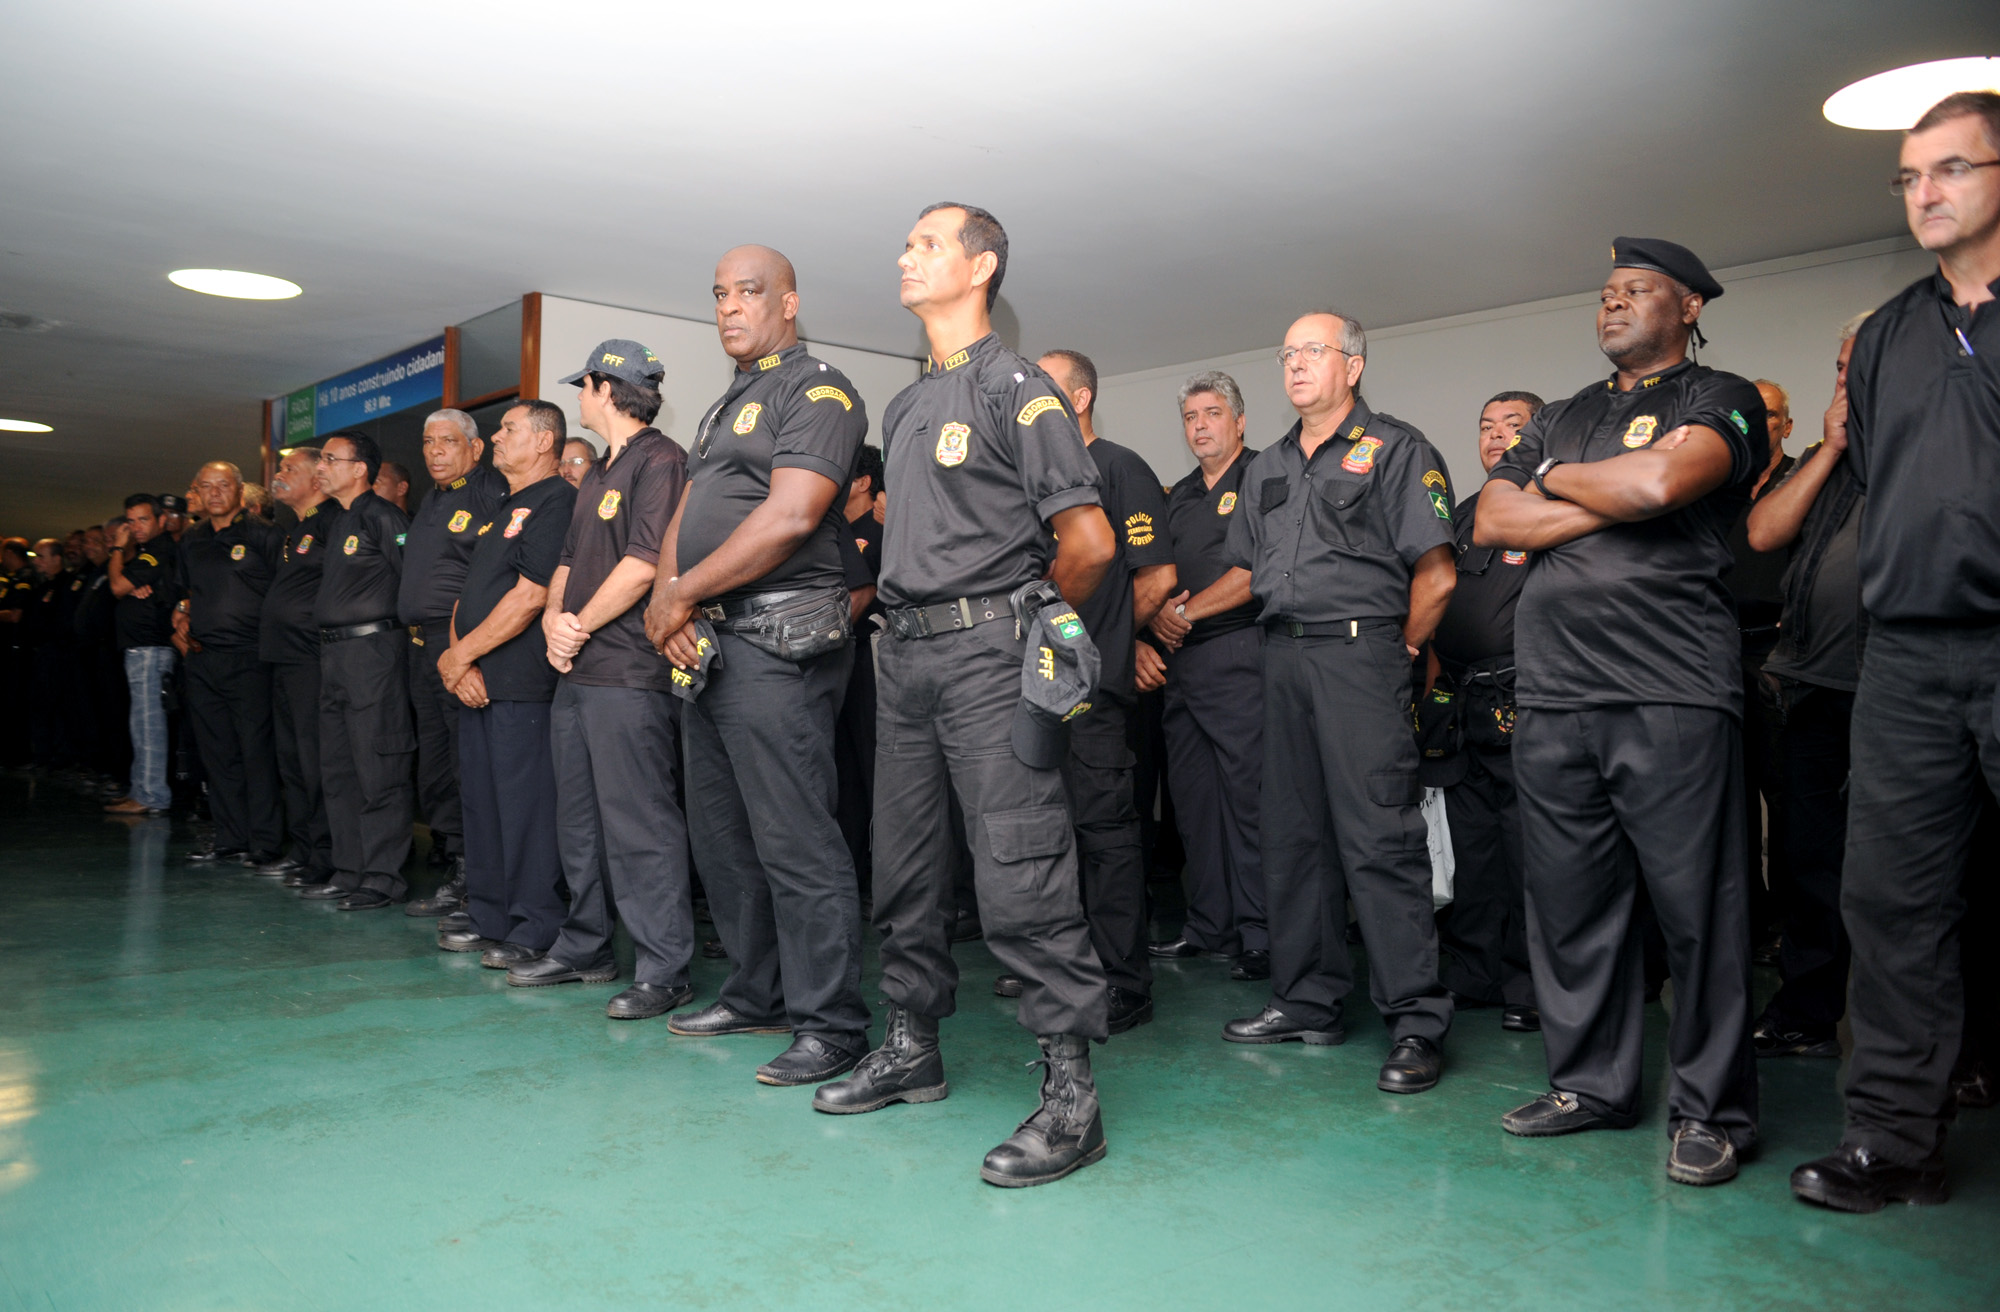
1059	673
1676	261
621	357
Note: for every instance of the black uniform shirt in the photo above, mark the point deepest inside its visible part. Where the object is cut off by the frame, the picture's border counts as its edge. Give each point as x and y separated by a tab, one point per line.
981	451
440	544
1923	435
225	576
1138	513
363	569
149	621
49	615
1198	518
287	634
1479	623
1756	579
1637	613
1333	538
95	620
622	509
786	411
1819	641
523	539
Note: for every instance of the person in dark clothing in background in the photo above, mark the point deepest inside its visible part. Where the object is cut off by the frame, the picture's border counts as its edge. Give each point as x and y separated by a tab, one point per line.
143	568
288	641
854	732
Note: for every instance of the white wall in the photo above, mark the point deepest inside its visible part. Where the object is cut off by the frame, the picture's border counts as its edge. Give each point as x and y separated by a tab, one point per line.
697	370
1779	320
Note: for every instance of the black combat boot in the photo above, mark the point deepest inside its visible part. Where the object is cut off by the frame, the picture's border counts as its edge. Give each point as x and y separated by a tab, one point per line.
1066	1133
906	1068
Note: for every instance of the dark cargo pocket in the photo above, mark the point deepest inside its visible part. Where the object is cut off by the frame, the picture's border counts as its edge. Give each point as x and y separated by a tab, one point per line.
1027	833
1395	788
1273	495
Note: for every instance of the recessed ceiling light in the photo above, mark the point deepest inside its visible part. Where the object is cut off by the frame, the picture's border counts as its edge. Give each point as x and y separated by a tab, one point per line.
1894	100
232	282
23	426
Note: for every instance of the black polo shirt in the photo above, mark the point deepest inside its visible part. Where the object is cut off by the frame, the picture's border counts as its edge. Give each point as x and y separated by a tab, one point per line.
1198	518
1819	636
1756	579
1333	538
225	576
363	568
148	621
1923	436
981	452
523	539
622	509
287	634
1637	613
440	543
1479	623
1138	513
785	411
96	611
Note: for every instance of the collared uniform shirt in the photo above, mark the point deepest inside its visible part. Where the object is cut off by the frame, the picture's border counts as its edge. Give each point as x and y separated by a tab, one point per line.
1198	519
148	621
1479	623
1923	436
287	634
1334	538
786	411
440	544
1138	513
226	576
1819	634
1637	614
523	539
363	569
622	509
982	452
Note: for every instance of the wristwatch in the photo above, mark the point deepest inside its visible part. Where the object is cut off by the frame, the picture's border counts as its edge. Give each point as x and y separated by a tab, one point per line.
1542	472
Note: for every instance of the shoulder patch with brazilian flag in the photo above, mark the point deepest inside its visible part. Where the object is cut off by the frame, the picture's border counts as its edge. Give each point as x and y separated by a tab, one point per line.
1035	409
1742	424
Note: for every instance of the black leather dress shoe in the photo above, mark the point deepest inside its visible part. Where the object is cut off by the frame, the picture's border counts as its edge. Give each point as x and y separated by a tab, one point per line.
966	928
1182	950
276	866
1521	1019
450	896
810	1060
1273	1026
365	899
1554	1113
718	1018
1972	1087
454	921
303	879
548	970
1414	1065
212	854
1701	1155
1776	1039
1008	985
1252	963
644	1001
506	956
465	940
326	892
1852	1179
712	950
1128	1009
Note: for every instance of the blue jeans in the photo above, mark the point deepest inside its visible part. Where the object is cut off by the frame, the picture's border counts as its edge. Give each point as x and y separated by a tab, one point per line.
146	670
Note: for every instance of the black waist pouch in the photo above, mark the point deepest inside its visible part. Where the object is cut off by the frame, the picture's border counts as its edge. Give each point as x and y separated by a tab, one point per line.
1486	706
798	628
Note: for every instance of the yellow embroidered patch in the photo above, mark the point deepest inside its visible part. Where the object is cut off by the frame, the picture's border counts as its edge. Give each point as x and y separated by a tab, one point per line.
1041	405
830	393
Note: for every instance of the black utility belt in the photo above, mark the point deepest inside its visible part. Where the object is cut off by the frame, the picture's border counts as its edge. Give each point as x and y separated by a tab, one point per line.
948	616
795	625
341	633
1348	629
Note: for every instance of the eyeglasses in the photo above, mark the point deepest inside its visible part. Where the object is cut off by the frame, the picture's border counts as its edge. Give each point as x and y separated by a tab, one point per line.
1313	351
581	462
1948	174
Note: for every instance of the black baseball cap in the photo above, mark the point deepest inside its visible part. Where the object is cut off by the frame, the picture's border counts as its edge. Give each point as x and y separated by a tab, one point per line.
1676	261
173	504
621	357
1059	673
688	684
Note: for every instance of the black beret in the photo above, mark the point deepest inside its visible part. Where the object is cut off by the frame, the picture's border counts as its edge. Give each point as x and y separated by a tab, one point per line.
1677	262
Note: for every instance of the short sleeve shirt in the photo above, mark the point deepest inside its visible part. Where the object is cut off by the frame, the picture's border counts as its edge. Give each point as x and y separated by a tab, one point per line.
148	621
1334	538
440	544
786	411
363	570
521	539
1138	513
1479	623
225	576
1637	613
982	451
287	633
1198	519
623	507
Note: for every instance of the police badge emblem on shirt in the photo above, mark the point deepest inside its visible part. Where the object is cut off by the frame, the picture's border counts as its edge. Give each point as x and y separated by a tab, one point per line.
460	521
514	523
953	445
746	419
1640	430
608	507
236	552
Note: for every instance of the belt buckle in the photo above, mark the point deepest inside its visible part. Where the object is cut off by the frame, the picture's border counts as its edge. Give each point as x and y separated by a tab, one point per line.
1294	629
961	614
712	613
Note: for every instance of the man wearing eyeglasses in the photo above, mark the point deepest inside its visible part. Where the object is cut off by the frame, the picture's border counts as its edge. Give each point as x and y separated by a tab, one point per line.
577	458
1923	442
1347	540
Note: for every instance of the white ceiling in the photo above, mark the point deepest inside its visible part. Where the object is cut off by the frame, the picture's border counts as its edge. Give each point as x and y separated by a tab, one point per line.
1177	179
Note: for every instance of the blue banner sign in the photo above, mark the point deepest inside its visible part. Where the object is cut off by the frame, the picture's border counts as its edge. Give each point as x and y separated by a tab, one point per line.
395	382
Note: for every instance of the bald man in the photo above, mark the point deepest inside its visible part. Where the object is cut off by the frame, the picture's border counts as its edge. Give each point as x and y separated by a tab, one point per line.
755	550
227	563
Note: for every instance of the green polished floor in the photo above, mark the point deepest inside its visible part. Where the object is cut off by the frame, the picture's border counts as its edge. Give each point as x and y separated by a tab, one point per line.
215	1096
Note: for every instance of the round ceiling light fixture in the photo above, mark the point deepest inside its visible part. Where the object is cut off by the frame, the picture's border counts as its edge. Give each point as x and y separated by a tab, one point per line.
234	283
23	426
1895	100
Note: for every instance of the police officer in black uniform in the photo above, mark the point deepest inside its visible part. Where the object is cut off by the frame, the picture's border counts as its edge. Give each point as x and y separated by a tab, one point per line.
288	641
1212	668
1348	544
227	563
1483	934
366	739
984	460
1627	746
441	537
755	546
1923	439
